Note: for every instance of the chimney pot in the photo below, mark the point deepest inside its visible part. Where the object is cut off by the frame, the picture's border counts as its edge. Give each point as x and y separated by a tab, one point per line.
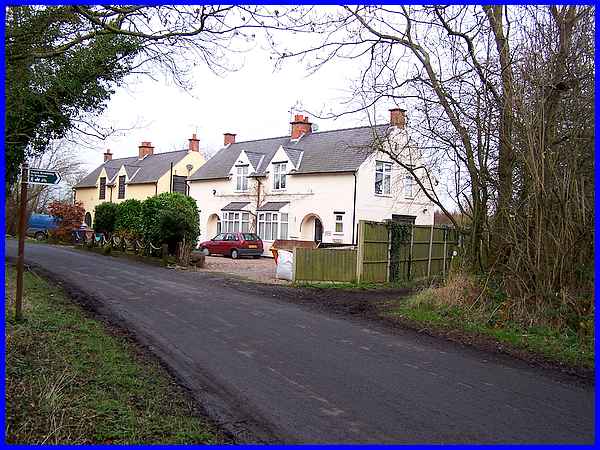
228	138
107	155
194	144
398	117
300	126
145	149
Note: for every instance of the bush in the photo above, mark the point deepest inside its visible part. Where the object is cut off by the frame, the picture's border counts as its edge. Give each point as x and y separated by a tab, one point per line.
105	216
70	217
169	218
129	219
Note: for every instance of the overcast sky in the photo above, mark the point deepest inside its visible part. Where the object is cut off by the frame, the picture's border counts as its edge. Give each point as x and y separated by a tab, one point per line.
253	102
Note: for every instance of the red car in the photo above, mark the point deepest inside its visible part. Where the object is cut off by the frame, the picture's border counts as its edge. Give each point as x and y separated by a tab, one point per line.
234	245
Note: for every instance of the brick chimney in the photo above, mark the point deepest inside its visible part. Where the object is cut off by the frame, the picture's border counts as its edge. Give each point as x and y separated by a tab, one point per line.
194	143
398	117
228	138
300	126
145	149
107	155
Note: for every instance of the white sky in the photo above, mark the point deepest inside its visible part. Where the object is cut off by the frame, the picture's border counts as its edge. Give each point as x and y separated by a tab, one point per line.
253	102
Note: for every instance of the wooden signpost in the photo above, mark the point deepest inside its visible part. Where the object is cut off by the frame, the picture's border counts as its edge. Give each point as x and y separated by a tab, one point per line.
28	176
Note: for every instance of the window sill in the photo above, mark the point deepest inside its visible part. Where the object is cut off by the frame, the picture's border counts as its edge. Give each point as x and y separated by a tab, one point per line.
338	233
383	195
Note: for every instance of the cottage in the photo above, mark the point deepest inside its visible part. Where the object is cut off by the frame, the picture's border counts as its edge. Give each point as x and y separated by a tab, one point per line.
138	177
308	185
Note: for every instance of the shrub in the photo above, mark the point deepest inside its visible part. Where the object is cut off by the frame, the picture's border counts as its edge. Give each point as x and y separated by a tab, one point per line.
70	217
169	218
105	216
129	219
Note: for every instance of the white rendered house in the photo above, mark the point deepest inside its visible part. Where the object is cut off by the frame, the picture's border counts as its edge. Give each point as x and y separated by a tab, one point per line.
308	186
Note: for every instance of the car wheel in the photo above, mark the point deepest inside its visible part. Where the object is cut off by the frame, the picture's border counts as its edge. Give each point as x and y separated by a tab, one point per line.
39	236
205	251
234	254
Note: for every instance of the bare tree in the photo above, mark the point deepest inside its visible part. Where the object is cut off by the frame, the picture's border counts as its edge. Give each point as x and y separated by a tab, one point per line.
500	102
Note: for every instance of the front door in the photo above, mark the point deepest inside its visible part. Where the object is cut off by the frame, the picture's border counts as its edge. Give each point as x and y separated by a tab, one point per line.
318	230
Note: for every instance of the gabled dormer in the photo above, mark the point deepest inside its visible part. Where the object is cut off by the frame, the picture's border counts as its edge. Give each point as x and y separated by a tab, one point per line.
243	166
278	168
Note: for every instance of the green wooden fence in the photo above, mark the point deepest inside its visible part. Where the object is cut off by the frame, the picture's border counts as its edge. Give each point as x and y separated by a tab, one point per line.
426	252
373	251
322	264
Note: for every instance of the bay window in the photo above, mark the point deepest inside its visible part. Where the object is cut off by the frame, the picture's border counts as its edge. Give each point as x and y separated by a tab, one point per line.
272	225
235	221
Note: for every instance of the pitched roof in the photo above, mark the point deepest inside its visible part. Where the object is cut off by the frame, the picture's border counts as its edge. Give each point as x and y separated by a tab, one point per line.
272	206
326	151
234	206
146	170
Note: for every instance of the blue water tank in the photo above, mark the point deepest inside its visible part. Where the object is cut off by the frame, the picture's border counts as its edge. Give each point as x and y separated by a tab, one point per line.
43	222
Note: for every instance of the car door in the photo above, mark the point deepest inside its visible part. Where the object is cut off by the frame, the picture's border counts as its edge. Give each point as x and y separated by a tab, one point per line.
230	243
217	243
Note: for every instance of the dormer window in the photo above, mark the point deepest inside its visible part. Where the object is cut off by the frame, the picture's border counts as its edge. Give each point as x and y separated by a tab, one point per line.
121	186
279	176
241	179
102	193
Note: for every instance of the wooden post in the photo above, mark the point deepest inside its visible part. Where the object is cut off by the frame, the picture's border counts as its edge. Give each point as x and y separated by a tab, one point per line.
429	257
21	255
294	257
360	250
445	250
165	254
410	251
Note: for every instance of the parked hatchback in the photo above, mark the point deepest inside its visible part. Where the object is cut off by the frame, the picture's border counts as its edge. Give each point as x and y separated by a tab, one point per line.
234	245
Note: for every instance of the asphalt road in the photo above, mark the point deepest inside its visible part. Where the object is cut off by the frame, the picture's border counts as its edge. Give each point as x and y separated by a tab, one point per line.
273	371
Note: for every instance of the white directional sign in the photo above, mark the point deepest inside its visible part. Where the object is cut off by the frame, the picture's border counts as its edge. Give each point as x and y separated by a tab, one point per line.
43	176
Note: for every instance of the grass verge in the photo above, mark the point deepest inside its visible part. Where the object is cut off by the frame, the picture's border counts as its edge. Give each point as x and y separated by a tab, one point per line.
458	307
72	380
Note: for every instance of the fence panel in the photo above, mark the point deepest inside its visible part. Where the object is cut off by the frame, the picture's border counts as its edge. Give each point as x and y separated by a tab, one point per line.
373	256
324	264
427	253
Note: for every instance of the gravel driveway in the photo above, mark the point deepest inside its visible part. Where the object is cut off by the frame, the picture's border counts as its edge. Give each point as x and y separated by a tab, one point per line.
262	269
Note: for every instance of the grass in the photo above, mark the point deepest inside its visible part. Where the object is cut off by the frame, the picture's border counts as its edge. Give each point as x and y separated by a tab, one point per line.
459	306
70	380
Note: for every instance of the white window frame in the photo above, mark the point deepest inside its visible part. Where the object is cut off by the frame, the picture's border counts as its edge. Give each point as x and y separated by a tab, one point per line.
273	225
235	222
383	168
241	178
339	220
410	185
279	176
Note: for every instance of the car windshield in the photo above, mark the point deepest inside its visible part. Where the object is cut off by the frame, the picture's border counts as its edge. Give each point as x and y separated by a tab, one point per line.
250	237
219	237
